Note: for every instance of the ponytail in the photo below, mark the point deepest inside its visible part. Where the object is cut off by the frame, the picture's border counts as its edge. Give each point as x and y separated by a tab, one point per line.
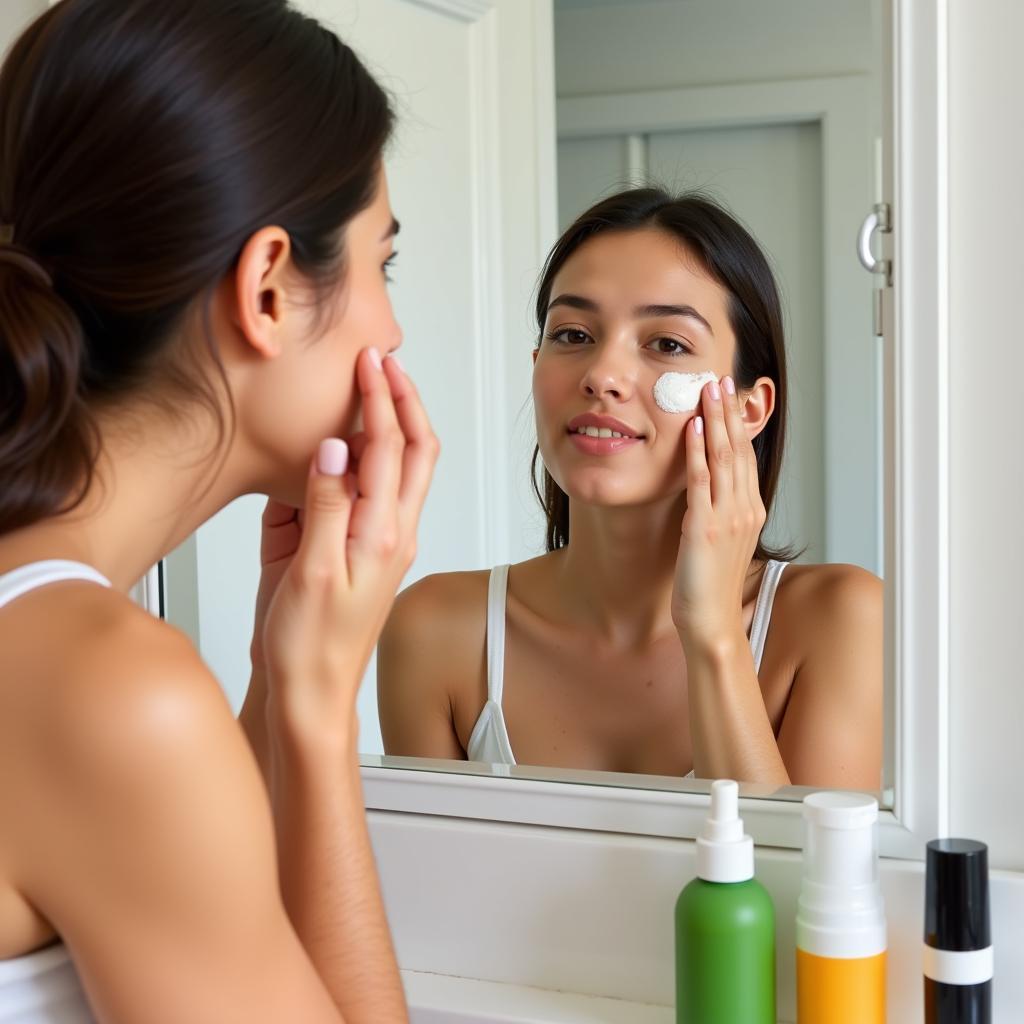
47	442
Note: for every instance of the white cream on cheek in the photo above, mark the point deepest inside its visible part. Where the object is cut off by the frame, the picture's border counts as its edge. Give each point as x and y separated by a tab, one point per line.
680	392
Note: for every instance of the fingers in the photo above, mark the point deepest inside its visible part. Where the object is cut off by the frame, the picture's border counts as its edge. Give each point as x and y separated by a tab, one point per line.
740	443
698	474
280	533
277	513
421	445
322	551
375	513
718	447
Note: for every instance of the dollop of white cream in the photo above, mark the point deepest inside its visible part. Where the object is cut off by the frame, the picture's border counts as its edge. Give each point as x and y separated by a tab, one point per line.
680	392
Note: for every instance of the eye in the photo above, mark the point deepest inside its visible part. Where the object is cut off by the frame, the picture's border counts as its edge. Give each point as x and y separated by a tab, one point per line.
669	347
387	265
569	336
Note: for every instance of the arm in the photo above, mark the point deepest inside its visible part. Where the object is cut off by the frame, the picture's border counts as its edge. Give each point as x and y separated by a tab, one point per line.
732	734
729	725
831	733
414	672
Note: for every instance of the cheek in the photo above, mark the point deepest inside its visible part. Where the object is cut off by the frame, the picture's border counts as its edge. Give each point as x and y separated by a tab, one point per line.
549	388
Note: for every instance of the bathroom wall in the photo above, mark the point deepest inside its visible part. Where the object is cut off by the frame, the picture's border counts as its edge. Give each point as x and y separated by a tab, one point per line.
633	46
14	15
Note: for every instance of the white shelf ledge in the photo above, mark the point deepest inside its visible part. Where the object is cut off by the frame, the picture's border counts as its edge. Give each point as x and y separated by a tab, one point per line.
440	999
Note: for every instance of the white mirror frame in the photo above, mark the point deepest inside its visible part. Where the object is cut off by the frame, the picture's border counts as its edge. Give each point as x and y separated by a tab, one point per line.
916	531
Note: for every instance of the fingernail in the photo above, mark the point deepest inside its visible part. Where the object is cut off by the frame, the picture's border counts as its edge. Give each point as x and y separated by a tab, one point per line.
715	393
394	358
375	358
698	424
730	385
332	457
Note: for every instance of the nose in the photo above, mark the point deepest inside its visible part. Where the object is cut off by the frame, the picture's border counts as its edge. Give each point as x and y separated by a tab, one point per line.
607	376
394	338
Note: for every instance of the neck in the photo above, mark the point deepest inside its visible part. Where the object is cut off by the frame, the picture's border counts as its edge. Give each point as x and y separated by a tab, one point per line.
619	567
151	490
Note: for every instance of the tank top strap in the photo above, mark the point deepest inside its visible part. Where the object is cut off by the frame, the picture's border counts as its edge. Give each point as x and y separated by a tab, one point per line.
763	609
39	574
497	591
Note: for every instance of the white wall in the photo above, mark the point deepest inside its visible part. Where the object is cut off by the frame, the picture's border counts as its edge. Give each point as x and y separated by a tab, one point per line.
985	476
612	49
14	16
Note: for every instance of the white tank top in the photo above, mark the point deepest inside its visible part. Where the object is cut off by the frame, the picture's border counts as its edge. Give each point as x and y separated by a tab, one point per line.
489	740
43	987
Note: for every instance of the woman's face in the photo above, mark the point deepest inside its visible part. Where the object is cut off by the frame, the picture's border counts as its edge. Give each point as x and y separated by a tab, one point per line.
625	308
307	390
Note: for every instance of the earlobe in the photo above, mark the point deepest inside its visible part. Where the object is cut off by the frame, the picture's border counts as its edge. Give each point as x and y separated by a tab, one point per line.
758	404
259	290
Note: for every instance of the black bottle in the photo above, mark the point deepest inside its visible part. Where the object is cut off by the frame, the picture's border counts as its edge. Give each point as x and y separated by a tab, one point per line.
957	934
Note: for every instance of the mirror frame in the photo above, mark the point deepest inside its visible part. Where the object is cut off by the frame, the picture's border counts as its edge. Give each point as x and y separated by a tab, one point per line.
916	538
916	524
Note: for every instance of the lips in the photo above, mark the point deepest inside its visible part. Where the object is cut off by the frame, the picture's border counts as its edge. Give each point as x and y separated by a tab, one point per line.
594	425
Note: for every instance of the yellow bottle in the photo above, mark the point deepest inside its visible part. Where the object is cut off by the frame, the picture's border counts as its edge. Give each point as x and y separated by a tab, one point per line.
840	924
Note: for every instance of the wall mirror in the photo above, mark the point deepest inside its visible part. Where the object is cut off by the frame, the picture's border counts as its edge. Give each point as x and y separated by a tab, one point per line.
513	119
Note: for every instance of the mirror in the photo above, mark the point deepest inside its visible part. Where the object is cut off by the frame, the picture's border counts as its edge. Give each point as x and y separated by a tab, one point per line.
774	110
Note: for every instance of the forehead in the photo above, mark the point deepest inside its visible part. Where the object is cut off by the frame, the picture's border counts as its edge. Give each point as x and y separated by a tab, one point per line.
623	269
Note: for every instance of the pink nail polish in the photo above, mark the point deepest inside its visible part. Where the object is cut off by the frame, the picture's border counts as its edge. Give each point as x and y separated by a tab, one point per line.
715	393
730	386
332	457
375	358
394	358
698	424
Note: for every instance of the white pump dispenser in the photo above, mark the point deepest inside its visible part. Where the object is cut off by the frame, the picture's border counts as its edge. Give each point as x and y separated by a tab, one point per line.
724	852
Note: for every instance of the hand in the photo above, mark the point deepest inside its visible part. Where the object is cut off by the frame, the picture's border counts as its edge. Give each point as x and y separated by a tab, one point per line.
330	575
723	521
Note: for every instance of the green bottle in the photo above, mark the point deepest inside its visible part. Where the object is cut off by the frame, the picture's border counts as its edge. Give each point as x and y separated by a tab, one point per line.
725	926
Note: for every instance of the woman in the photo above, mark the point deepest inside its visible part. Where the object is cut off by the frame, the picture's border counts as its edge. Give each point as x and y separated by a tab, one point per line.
193	307
633	644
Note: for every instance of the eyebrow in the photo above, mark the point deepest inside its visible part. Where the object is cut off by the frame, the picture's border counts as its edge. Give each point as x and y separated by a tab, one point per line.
392	231
653	310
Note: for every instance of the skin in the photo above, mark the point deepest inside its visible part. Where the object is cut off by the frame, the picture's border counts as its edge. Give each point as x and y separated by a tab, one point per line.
628	650
136	823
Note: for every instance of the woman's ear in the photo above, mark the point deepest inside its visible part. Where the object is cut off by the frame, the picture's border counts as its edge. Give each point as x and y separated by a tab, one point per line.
259	291
757	405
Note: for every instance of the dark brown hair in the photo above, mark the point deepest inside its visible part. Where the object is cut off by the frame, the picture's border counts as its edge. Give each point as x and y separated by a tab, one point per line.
729	254
142	143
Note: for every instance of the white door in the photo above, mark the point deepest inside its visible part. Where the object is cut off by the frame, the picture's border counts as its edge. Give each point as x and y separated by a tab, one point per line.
471	174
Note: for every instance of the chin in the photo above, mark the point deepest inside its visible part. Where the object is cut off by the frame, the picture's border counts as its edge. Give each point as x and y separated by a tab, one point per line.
588	489
621	490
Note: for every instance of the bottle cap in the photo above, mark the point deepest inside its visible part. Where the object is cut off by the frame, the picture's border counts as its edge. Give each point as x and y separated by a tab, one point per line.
956	895
724	853
840	913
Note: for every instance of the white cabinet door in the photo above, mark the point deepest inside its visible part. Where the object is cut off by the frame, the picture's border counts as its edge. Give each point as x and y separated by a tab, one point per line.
472	179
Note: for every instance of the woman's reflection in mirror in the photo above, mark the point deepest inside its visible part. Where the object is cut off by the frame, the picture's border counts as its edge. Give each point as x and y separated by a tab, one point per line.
659	633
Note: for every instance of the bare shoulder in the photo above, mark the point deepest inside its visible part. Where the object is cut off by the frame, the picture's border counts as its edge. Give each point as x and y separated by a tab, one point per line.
831	733
116	691
437	625
827	601
109	723
441	602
